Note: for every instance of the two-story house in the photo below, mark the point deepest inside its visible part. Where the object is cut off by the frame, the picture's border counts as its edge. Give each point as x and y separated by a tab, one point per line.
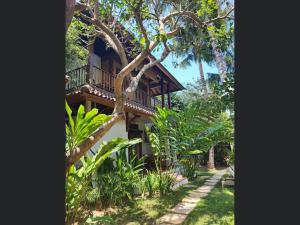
100	74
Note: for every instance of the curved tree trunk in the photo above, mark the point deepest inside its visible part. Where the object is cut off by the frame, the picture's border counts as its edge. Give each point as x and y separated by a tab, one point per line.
69	12
81	150
221	65
202	79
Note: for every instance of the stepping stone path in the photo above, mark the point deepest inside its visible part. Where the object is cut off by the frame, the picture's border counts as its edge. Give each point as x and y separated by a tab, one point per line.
179	213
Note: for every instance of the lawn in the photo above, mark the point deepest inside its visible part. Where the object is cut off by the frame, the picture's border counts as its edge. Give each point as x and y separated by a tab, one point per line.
215	209
147	211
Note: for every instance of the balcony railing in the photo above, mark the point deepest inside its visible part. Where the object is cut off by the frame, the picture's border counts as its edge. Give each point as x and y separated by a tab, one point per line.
77	78
106	81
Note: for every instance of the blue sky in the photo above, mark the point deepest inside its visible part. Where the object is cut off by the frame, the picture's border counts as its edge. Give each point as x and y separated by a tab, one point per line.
189	74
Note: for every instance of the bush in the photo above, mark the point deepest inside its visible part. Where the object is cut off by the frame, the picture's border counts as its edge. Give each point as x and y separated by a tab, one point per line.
151	183
112	190
93	196
165	183
120	182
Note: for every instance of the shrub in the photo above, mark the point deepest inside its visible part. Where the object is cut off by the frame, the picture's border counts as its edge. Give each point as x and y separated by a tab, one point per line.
165	183
93	196
119	181
151	182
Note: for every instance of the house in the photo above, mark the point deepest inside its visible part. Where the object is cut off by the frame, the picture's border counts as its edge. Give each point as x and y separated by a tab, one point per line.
93	86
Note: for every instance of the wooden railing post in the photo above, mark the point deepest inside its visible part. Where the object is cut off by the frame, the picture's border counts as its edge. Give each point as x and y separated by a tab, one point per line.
169	96
89	66
162	92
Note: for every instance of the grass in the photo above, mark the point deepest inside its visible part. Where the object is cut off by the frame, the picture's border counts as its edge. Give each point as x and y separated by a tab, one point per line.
204	172
147	211
215	209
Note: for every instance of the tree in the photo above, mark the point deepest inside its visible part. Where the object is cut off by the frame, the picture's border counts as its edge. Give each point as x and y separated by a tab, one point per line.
75	52
154	23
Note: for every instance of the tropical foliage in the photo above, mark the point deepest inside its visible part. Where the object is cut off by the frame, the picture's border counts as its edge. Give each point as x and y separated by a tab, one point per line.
79	186
179	138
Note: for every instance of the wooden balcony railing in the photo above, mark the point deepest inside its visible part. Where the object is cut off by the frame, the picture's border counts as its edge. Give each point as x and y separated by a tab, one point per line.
77	78
106	81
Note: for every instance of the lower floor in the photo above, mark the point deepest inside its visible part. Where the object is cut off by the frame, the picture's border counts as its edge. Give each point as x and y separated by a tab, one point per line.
132	127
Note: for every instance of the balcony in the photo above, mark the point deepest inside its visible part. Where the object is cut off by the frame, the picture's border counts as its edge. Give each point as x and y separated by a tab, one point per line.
105	81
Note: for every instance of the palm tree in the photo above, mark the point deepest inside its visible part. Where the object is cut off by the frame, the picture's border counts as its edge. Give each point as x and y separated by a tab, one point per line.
198	52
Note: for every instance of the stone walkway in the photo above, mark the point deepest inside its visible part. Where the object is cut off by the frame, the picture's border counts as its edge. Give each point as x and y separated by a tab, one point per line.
179	213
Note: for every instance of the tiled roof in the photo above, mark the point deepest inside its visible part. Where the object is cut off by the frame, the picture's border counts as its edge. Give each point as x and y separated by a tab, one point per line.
94	90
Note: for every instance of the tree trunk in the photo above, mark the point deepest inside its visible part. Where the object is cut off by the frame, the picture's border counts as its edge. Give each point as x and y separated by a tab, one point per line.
204	87
69	12
221	65
211	161
81	150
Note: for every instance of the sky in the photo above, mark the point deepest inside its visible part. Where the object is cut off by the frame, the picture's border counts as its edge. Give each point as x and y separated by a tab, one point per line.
189	74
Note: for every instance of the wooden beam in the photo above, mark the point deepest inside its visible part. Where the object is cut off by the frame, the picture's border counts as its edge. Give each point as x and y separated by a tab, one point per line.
154	85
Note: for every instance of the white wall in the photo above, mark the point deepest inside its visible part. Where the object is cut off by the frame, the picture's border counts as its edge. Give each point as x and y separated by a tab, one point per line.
117	130
146	148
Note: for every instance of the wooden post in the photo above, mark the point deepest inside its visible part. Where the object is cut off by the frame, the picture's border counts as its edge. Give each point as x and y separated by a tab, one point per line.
88	105
169	96
148	94
162	92
90	64
127	121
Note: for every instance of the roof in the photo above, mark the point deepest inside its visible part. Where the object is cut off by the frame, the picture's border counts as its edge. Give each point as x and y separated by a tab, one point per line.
175	85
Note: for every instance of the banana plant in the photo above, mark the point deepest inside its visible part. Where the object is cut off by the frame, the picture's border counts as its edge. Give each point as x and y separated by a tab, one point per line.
83	126
78	180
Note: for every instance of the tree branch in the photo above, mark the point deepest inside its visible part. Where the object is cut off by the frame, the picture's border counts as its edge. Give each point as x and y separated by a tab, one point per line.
135	80
219	17
109	35
143	30
79	6
194	17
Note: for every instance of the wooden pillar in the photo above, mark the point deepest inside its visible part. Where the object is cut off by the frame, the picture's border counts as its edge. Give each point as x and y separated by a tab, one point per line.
148	94
162	92
127	121
89	63
169	96
88	105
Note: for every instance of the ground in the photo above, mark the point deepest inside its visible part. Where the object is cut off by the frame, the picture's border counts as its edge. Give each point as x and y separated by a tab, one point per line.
215	209
147	211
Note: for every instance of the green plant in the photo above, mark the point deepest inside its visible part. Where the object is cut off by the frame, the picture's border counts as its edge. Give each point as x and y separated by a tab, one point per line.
165	183
103	220
93	196
83	126
78	181
151	183
119	179
112	190
189	161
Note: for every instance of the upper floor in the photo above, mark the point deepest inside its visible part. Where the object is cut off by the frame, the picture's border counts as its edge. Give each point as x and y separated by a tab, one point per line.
100	73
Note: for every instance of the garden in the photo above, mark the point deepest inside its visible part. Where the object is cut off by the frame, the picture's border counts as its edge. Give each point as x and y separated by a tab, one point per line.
191	142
